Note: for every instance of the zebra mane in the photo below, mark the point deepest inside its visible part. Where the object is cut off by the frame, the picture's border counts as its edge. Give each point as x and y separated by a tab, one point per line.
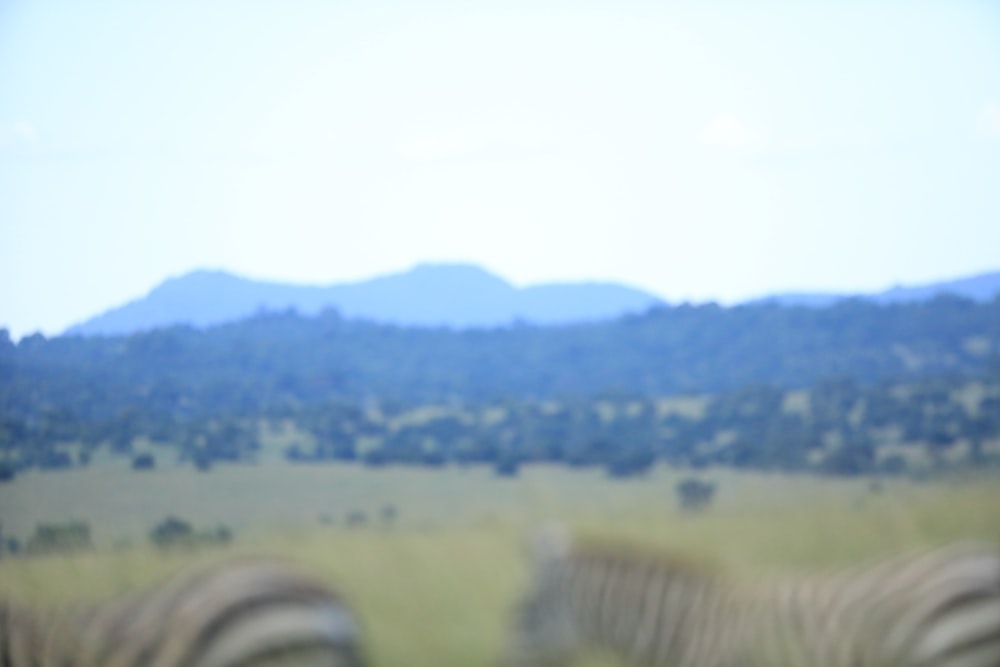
550	542
554	542
599	550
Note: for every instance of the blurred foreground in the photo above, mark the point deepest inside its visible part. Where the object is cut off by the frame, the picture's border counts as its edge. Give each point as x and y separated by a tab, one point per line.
433	583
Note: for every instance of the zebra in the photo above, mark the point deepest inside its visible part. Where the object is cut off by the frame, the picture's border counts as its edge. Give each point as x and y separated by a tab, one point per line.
934	608
238	613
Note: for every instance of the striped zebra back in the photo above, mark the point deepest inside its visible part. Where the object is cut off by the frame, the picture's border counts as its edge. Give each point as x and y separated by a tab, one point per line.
938	608
244	613
931	608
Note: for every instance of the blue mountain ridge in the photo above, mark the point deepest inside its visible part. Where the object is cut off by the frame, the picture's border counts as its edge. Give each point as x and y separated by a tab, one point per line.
982	287
452	295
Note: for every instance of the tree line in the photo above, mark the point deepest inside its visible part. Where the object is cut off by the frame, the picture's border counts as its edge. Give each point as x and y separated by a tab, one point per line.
281	361
897	370
837	427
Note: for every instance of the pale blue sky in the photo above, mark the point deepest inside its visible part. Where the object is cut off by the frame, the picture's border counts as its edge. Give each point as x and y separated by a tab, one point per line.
700	150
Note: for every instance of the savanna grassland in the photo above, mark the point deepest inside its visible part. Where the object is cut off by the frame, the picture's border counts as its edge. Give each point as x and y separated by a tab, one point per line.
433	580
408	465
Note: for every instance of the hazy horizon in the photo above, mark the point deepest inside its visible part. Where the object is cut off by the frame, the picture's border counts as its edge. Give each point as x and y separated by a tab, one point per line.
394	314
697	151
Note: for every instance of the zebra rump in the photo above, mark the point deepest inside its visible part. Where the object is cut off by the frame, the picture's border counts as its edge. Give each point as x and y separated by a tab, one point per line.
239	613
934	608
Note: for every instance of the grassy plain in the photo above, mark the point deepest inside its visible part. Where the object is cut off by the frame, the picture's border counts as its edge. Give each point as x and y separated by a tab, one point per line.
433	585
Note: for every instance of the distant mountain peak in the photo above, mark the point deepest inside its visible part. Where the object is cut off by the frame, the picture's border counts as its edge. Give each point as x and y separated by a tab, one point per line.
981	287
447	274
453	294
207	277
449	267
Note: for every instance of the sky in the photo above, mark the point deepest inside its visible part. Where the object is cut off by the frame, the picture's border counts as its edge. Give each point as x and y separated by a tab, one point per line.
705	150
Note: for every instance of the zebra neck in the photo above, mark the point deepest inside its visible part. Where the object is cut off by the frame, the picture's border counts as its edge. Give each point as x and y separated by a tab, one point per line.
653	612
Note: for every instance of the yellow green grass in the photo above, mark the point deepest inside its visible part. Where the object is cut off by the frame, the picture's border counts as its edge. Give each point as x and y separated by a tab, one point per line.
434	587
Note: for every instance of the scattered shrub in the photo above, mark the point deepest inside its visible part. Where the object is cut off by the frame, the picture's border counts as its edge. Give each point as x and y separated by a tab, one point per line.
508	466
695	494
375	458
58	538
295	454
892	465
203	462
12	545
171	531
143	462
223	535
174	532
55	460
388	513
631	464
433	459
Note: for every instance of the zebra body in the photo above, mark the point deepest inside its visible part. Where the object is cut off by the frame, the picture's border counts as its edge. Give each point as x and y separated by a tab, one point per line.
236	614
933	609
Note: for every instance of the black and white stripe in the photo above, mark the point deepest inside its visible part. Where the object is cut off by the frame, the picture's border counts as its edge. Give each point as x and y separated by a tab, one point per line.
236	614
936	608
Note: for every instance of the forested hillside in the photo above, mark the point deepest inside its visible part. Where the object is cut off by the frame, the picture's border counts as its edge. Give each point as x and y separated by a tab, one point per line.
282	359
873	375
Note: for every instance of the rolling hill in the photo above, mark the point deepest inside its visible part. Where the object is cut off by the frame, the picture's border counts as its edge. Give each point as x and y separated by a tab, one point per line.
981	287
453	295
459	296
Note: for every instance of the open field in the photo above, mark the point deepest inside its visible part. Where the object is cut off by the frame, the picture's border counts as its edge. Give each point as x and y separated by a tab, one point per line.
433	585
122	505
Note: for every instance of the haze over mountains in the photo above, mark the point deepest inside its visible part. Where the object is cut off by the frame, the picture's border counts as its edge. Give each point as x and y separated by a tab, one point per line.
981	287
454	295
